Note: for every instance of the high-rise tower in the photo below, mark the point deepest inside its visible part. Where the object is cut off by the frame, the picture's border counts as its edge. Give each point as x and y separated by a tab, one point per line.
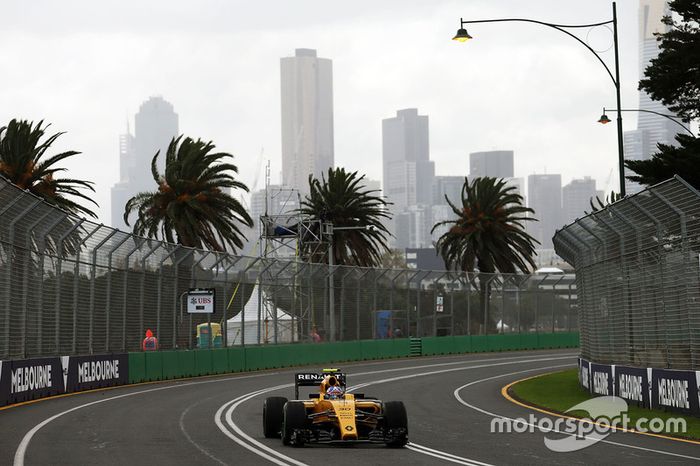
544	197
408	173
307	118
652	129
156	125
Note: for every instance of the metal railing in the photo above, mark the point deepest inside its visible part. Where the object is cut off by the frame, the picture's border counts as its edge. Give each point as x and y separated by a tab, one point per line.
72	286
638	278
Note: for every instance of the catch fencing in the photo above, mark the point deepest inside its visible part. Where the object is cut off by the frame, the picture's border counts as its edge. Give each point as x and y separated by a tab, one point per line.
637	275
69	286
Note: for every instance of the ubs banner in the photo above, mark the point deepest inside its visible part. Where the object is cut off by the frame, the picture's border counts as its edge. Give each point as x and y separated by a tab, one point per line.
29	379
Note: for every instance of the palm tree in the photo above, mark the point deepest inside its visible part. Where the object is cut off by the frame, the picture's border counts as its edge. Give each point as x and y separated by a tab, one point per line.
22	163
192	205
343	201
488	233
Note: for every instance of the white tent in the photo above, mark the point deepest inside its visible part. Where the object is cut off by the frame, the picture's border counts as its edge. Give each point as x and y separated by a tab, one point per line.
243	328
502	327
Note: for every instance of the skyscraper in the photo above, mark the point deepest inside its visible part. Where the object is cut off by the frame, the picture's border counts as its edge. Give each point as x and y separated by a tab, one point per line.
307	118
450	186
156	123
494	163
576	198
652	129
408	173
544	197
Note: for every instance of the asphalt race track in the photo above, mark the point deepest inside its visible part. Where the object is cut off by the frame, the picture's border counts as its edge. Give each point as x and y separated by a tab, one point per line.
218	420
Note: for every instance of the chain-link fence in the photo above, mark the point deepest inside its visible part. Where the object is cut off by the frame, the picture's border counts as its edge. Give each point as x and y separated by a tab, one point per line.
637	274
71	286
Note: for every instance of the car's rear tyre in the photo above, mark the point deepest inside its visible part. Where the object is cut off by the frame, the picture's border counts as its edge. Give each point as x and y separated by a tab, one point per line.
294	419
395	424
273	413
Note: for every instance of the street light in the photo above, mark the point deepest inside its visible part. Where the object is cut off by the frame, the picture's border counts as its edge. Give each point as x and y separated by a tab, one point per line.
462	36
605	120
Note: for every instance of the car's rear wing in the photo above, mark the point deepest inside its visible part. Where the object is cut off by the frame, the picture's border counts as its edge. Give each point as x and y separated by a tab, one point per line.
314	379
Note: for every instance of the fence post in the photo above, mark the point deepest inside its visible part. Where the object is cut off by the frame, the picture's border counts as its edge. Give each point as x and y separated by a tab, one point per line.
108	304
661	279
357	302
93	276
177	295
143	283
25	271
138	242
684	254
8	270
25	283
76	286
40	306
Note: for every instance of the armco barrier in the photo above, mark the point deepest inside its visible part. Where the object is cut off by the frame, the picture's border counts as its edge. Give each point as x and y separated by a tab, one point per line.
165	365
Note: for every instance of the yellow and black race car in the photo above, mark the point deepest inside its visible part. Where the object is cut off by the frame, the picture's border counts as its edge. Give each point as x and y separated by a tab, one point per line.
332	415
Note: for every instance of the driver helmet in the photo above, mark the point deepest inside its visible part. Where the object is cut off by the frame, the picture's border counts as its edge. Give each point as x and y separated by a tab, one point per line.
334	392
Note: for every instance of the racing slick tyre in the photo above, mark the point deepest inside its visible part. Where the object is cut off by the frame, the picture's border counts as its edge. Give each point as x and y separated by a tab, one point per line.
293	421
273	413
395	424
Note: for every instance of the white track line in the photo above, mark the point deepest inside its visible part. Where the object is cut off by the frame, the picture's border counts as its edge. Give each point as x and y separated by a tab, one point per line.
22	448
444	456
610	442
189	438
242	437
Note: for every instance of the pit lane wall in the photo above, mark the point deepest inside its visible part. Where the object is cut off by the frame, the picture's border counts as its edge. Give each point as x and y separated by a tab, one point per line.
652	388
28	379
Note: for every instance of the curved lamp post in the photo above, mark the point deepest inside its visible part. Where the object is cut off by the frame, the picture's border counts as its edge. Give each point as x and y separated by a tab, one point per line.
605	120
463	36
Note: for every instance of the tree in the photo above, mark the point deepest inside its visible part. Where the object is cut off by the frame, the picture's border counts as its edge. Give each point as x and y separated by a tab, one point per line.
393	259
343	201
192	205
599	204
669	161
673	77
488	233
23	163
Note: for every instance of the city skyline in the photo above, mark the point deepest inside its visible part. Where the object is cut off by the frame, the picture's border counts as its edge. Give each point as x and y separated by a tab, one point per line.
117	61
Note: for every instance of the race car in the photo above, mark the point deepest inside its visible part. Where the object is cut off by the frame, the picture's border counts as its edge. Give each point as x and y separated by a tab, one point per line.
332	415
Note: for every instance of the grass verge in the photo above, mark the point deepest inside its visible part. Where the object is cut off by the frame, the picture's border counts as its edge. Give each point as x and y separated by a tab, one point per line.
560	391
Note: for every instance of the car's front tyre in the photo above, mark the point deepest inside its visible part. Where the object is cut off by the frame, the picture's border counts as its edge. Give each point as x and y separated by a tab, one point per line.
294	421
395	424
273	413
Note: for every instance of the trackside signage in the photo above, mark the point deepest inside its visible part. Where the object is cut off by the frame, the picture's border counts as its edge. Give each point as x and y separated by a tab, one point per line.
666	389
601	380
88	372
632	384
584	374
28	379
677	390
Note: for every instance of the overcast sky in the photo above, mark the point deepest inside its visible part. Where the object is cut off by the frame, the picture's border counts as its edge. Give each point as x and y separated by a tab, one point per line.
85	66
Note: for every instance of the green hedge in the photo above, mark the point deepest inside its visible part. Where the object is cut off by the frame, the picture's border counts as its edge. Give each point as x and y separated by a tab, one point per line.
163	365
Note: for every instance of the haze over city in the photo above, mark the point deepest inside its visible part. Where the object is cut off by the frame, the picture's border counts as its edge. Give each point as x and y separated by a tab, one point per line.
87	67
